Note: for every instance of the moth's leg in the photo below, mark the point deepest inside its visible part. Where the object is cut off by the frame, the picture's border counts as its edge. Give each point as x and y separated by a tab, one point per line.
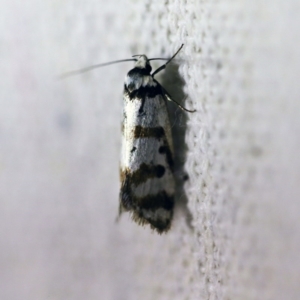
167	96
164	66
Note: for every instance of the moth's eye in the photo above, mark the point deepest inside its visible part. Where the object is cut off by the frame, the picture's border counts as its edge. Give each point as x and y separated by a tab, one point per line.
148	67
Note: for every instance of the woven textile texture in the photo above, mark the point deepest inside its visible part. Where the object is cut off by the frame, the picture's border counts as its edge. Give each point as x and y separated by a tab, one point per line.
236	227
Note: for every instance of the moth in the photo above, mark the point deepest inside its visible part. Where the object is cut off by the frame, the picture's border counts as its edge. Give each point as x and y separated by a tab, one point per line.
147	154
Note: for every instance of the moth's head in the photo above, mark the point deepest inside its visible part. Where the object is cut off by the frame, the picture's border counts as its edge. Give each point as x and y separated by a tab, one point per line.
143	63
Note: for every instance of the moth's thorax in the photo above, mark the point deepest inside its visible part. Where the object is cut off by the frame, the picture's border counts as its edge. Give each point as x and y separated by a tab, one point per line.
140	75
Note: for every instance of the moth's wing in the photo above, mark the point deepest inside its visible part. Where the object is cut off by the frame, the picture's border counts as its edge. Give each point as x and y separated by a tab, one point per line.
147	181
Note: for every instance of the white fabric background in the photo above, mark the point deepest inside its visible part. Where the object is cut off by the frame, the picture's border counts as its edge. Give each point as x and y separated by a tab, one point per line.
59	151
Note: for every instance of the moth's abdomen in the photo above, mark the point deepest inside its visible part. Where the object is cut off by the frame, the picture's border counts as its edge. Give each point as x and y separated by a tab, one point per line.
147	181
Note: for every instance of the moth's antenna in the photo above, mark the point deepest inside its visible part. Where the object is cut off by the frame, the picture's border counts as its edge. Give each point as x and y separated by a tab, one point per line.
158	58
150	58
164	66
87	69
